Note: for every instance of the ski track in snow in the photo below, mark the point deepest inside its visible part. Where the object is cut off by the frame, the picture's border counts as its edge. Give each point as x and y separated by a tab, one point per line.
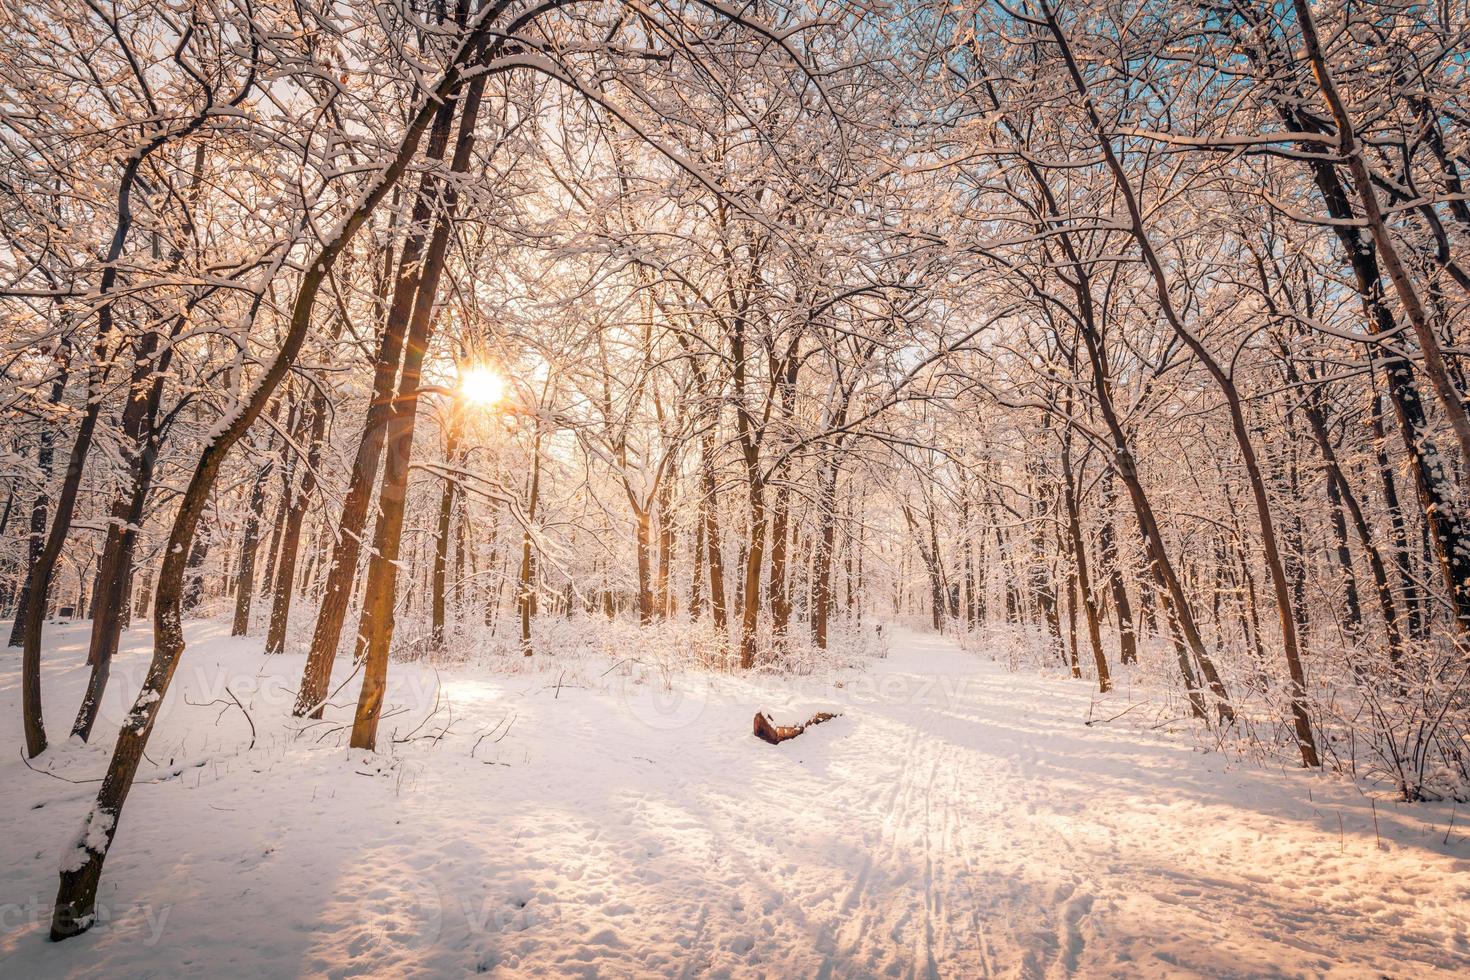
957	821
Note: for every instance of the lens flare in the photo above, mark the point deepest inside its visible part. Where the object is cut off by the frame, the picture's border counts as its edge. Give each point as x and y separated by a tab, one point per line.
481	386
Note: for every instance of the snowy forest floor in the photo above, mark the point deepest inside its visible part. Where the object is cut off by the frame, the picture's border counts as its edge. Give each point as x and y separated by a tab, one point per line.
956	820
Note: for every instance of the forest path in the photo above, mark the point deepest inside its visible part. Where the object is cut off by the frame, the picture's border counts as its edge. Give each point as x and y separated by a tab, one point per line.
958	820
1016	840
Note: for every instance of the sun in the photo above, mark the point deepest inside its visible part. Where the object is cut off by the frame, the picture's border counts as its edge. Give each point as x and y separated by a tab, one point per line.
481	386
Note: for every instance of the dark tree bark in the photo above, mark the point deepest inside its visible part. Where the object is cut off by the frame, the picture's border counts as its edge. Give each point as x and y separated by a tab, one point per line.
643	531
526	581
1079	564
375	634
275	640
696	572
714	548
826	542
1108	548
249	546
1301	720
1040	576
45	459
441	538
777	595
1181	619
77	891
1451	401
1438	494
342	572
665	498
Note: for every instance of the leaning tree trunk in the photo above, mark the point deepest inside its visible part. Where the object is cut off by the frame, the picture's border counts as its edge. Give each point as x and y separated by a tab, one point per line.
44	568
1306	740
35	539
347	549
1351	151
375	635
1438	494
275	638
249	548
1079	561
75	906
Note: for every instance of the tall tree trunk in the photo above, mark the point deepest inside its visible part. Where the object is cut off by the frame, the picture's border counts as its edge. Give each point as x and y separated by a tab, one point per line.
375	635
275	640
7	590
278	517
1108	548
748	598
696	574
776	595
826	541
250	544
1079	563
665	498
347	549
1040	578
1073	661
35	539
526	585
643	547
980	613
714	548
1450	400
967	556
1306	740
74	908
441	535
750	606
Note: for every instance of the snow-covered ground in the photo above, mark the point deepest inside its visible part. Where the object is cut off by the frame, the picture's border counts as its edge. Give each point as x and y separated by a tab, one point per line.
957	820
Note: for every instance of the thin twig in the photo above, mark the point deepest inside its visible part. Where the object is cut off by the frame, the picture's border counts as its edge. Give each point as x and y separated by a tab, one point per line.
1104	721
248	719
53	775
492	731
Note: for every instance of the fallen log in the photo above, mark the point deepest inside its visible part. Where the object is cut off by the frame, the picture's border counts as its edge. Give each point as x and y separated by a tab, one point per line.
767	731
